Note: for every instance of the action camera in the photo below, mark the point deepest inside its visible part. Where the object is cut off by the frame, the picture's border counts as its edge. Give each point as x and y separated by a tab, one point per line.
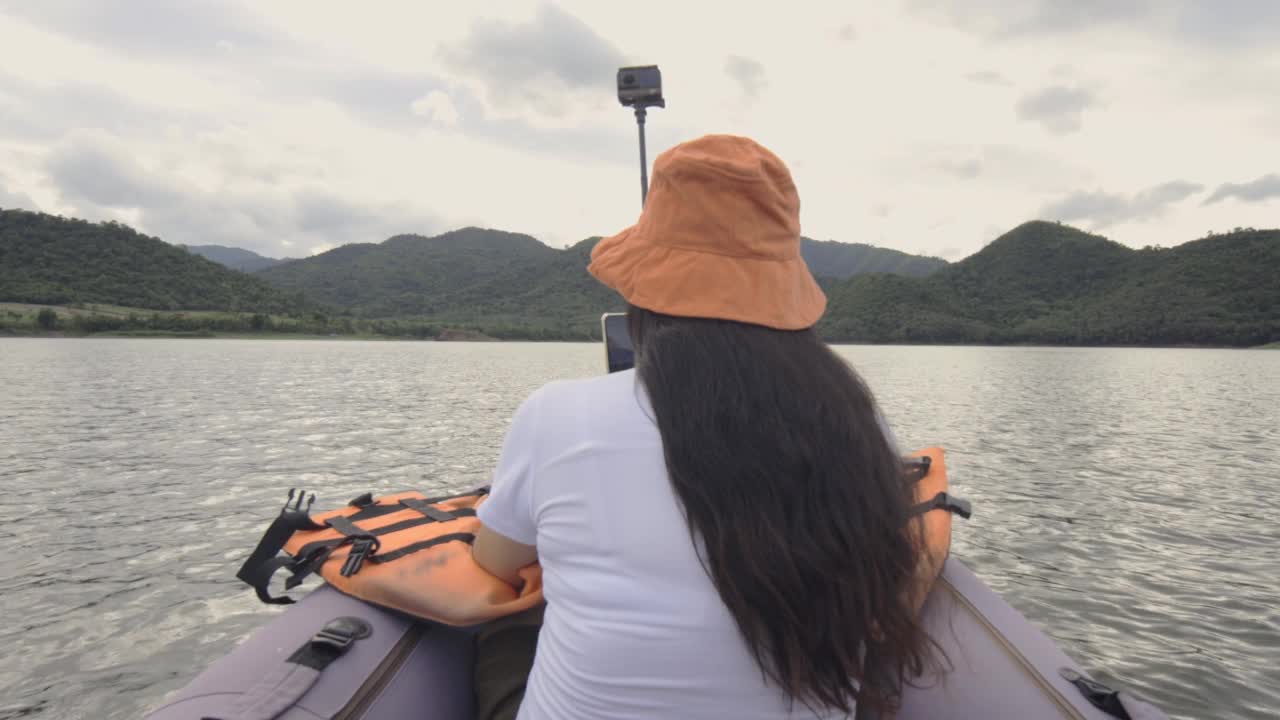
640	86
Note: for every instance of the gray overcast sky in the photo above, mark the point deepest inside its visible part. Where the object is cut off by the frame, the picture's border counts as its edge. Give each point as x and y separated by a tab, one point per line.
292	126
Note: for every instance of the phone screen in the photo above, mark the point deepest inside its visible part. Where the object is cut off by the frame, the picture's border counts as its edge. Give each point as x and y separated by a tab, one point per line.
619	355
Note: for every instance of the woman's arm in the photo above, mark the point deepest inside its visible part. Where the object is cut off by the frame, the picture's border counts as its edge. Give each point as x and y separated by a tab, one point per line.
507	519
501	556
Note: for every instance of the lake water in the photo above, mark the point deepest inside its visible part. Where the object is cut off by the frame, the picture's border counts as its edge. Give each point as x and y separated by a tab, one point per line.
1125	500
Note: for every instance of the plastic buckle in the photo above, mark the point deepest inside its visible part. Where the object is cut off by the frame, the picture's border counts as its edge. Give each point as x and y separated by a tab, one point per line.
953	504
362	547
1098	695
918	468
338	634
292	505
331	639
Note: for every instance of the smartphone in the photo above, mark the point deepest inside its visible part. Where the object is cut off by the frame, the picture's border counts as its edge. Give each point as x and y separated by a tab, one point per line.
618	352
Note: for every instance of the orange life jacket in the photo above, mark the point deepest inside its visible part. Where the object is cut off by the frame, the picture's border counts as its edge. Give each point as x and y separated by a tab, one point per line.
412	553
404	551
929	471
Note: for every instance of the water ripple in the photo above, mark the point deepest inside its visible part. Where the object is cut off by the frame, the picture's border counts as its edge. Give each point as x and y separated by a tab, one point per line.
1122	497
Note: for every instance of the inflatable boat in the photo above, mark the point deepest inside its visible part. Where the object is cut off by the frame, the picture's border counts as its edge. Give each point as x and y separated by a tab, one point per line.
1001	666
334	656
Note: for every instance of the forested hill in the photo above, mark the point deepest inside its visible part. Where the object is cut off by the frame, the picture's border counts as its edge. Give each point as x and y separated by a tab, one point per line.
478	273
487	277
233	257
1052	284
1039	283
56	261
831	259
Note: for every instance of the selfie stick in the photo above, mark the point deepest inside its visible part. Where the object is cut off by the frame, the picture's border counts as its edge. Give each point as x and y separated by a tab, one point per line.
641	88
644	164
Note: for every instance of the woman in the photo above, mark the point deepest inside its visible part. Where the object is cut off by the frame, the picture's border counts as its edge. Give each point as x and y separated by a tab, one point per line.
723	532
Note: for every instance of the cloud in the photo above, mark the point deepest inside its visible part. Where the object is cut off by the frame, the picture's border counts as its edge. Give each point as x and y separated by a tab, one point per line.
96	174
1228	24
44	111
214	40
191	28
1058	108
964	169
97	168
989	77
1101	209
1263	189
384	97
999	166
11	199
541	64
379	97
590	144
999	17
437	108
748	73
1221	24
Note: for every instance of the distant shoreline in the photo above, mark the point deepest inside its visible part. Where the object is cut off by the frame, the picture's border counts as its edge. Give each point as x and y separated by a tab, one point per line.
98	320
110	321
477	337
165	335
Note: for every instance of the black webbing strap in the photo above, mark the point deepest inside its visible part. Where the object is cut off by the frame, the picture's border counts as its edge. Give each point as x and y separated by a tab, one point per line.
307	560
303	565
368	511
467	538
282	686
346	527
423	508
943	501
378	532
364	548
262	562
259	578
265	559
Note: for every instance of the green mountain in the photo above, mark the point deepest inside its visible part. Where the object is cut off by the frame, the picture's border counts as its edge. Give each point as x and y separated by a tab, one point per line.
1039	283
1048	283
489	277
233	257
831	259
53	260
464	273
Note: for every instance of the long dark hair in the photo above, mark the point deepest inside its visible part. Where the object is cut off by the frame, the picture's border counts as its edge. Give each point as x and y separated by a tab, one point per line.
796	499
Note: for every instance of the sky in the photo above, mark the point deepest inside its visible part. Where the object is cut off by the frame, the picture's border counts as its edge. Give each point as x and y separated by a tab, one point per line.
289	127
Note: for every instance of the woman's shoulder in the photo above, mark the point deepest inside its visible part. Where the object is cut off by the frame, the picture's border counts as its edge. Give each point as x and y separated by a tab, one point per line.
602	399
597	387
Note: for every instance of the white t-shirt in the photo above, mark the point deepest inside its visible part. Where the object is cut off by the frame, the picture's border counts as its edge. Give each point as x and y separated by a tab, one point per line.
634	628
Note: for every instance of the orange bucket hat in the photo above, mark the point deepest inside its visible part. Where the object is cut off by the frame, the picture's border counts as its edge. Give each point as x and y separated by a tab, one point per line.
719	237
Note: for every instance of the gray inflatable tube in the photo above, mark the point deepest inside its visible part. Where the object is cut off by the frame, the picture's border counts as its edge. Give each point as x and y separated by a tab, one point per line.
1001	666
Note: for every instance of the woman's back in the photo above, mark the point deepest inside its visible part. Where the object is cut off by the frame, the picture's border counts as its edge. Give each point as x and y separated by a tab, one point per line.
634	627
738	541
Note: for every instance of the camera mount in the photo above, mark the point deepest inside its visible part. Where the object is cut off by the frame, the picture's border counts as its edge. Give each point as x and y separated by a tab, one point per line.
640	88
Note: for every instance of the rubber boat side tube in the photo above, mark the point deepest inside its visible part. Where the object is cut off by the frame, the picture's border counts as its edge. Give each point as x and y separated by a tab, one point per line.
1002	666
402	669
